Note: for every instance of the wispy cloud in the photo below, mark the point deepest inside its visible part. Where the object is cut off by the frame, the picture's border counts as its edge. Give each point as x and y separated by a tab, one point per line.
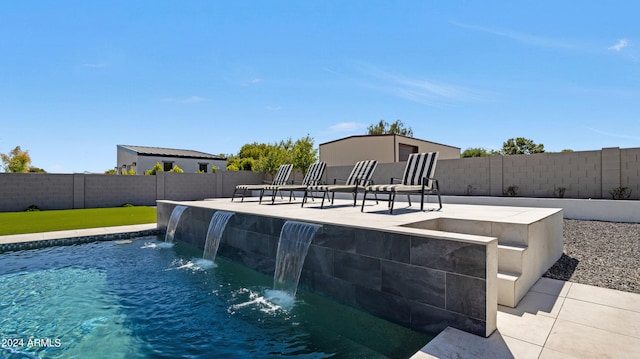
253	81
519	36
347	127
424	91
188	100
273	108
610	134
621	44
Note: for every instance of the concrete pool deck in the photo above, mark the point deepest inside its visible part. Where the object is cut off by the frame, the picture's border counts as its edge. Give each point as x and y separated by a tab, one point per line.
555	319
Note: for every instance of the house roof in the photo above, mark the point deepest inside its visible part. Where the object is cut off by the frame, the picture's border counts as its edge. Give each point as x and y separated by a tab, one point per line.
170	152
387	134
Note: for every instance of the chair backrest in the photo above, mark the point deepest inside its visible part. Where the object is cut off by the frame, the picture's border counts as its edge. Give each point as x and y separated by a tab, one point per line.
361	172
282	175
419	166
314	174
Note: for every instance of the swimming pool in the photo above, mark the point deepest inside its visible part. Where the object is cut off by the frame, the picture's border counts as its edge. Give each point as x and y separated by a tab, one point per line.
136	300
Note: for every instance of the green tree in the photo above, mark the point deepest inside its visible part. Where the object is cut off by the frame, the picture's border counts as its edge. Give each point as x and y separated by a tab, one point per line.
303	154
383	127
176	169
34	169
156	168
16	160
112	171
521	146
476	152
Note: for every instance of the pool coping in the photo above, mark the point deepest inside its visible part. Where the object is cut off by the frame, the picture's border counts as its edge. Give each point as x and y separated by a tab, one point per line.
47	239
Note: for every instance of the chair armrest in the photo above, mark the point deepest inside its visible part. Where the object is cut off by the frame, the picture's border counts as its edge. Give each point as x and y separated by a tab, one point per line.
395	180
335	180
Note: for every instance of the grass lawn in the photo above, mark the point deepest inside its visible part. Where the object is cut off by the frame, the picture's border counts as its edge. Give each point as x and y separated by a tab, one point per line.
47	221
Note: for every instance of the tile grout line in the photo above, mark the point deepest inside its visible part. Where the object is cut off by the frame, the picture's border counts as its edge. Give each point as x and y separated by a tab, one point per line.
555	319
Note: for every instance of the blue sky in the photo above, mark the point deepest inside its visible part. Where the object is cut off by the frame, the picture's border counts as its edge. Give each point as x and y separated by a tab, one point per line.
79	77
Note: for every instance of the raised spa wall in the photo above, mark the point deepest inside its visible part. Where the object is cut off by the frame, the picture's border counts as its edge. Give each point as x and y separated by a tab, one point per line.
421	282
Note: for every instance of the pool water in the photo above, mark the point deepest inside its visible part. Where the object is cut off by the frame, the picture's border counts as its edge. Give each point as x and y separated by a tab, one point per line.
139	300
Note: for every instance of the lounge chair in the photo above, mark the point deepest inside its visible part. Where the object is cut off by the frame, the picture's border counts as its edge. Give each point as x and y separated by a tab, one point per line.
311	178
359	178
417	179
281	178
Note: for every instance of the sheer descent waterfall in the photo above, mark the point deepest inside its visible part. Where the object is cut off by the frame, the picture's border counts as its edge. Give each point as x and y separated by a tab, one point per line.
293	245
214	233
173	223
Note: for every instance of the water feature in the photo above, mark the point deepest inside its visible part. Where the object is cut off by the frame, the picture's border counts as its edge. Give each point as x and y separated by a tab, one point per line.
295	238
173	223
214	234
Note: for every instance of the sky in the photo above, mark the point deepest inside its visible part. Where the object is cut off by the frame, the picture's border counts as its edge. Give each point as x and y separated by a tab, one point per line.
78	78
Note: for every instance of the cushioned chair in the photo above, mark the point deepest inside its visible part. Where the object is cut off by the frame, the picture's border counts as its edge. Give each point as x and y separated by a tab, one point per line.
281	178
311	178
417	179
359	178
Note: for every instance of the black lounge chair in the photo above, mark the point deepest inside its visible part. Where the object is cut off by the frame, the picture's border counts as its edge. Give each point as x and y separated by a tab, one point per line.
311	178
359	178
417	179
281	178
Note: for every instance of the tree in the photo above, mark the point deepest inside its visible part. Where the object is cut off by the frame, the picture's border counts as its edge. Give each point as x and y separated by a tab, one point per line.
17	161
476	152
111	172
383	127
156	168
521	145
34	169
303	154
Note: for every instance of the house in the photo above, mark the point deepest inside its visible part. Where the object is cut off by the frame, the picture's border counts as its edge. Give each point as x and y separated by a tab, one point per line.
141	158
383	148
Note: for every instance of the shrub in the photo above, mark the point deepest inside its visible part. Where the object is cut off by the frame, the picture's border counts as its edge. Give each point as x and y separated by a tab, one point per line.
620	193
214	168
559	192
176	169
156	168
32	208
511	191
469	190
127	205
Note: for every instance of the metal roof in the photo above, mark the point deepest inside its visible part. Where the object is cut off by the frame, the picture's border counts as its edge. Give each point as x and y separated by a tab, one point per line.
170	152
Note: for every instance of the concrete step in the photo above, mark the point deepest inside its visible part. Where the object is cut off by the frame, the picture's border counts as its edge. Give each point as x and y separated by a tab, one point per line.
509	289
511	257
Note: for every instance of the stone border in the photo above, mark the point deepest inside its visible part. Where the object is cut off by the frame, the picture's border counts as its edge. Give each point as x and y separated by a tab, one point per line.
11	247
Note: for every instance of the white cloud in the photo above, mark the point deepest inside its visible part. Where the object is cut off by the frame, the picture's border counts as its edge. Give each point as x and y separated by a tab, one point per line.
347	126
252	82
519	36
423	91
621	44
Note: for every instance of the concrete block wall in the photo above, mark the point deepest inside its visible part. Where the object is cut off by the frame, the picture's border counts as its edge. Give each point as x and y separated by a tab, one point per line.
584	174
68	191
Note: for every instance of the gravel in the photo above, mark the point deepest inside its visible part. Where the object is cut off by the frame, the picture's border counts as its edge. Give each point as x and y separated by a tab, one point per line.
602	254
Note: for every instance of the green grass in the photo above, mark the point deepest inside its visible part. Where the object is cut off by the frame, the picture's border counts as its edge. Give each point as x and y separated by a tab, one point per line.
47	221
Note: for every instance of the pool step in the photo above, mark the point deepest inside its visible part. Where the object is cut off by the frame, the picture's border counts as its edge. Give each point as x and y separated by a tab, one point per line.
511	258
509	288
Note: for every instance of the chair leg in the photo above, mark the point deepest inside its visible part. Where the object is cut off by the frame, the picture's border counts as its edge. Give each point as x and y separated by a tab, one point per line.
364	199
243	193
261	194
234	194
333	196
409	199
304	198
322	204
422	202
355	198
393	201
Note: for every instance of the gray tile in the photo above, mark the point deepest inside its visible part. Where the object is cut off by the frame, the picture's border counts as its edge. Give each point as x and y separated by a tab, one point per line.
450	256
384	245
466	295
417	283
337	237
432	320
319	259
384	305
360	270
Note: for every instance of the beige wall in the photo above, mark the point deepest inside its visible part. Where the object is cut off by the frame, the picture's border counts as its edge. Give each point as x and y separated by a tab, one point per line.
383	148
354	149
66	191
584	174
